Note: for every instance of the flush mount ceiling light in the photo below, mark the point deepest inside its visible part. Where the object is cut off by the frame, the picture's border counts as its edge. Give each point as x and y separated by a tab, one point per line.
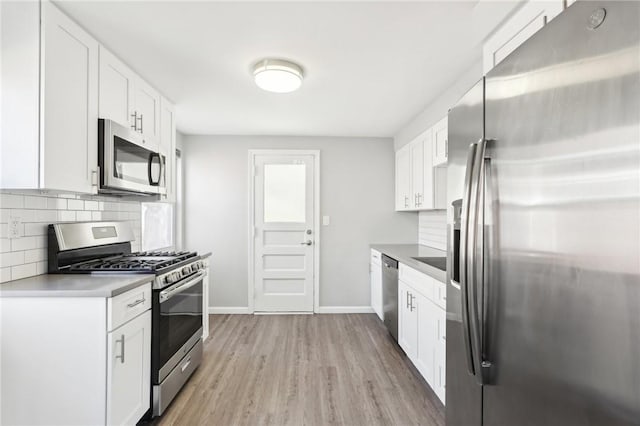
277	75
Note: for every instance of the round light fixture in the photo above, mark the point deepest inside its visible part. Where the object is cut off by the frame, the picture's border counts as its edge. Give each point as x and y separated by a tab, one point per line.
277	75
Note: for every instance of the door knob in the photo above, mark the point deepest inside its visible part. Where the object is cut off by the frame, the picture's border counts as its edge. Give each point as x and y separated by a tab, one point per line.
307	243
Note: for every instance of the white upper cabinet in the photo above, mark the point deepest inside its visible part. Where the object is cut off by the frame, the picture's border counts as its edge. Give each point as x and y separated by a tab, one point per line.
168	145
523	24
53	77
418	184
128	99
403	178
116	89
147	110
416	150
440	142
69	106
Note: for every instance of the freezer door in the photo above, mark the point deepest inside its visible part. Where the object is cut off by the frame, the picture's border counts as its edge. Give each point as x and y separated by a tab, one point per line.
561	255
463	393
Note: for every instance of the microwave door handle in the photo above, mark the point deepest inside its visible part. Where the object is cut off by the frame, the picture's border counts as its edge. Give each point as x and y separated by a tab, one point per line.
150	167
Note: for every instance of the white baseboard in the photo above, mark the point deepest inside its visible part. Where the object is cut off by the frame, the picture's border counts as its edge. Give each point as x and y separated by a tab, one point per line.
229	310
345	310
321	310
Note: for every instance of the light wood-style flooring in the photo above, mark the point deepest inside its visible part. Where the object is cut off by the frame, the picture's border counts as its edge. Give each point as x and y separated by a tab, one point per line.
303	370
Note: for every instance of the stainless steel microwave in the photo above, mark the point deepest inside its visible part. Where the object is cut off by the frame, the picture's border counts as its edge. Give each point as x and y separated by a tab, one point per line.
128	162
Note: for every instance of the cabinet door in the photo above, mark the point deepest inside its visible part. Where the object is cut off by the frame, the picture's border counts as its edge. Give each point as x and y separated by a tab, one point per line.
403	178
376	287
440	359
427	201
116	89
427	328
69	105
205	301
147	108
129	371
416	152
408	321
527	21
168	145
440	141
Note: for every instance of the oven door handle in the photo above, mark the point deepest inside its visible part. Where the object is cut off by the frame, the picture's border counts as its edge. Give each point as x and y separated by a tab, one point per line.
180	287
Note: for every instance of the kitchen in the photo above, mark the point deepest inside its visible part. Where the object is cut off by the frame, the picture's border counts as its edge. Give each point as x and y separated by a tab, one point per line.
414	229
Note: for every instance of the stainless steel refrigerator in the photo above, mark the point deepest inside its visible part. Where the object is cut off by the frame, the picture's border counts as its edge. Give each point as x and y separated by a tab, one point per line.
543	222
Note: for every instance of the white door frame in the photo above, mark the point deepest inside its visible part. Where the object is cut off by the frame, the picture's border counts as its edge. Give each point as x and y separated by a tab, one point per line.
253	153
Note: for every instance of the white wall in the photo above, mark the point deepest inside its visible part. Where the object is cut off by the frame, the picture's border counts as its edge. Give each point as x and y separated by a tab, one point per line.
357	192
440	106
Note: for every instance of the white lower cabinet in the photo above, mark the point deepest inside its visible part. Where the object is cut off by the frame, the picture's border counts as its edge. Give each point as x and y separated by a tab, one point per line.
422	326
128	371
408	321
76	360
375	269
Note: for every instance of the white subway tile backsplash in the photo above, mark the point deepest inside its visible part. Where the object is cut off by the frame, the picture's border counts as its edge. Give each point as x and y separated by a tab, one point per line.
11	201
75	204
23	271
11	259
36	255
27	255
24	243
56	203
4	215
66	216
5	274
91	205
83	216
432	229
31	229
31	202
46	216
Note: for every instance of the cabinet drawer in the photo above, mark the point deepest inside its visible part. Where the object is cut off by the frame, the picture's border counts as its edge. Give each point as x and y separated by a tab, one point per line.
422	283
376	257
127	306
440	294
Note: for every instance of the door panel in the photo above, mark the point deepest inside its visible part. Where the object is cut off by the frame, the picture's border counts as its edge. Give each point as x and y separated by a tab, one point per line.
464	395
284	233
563	287
129	370
70	99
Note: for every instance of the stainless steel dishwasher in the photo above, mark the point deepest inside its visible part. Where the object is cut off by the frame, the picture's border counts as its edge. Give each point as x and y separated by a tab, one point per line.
390	294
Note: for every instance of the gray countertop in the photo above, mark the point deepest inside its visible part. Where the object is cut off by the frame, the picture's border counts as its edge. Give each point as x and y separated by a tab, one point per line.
404	253
74	285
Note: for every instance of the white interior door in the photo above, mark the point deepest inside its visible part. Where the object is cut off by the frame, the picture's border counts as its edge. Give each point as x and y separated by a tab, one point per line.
284	232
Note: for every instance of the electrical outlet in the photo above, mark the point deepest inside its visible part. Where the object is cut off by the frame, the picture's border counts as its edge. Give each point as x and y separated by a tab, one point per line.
15	225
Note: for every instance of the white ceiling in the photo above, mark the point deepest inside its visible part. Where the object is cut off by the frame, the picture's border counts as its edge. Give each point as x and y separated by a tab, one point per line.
369	66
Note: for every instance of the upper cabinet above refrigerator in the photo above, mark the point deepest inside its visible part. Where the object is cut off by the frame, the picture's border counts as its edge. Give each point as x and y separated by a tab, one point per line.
530	18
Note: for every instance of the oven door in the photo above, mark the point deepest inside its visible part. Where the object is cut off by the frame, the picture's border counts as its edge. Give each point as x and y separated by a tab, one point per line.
179	325
128	162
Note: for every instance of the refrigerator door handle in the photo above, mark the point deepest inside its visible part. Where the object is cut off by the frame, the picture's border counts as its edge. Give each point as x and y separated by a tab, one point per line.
463	257
476	273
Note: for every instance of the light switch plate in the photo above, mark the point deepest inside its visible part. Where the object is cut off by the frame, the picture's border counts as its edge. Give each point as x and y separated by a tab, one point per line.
326	220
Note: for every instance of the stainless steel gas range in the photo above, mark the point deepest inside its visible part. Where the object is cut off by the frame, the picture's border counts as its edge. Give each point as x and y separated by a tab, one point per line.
176	338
